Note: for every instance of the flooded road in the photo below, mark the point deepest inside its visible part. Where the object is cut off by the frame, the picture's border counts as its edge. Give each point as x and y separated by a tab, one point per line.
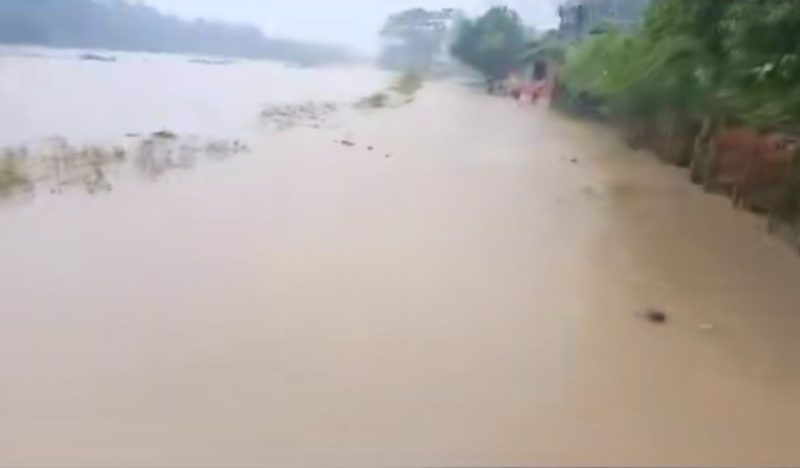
465	292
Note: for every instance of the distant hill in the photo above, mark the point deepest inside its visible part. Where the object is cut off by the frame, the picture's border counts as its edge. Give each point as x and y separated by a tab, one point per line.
124	25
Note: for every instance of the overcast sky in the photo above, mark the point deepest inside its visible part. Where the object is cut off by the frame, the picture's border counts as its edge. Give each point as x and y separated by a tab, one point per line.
354	23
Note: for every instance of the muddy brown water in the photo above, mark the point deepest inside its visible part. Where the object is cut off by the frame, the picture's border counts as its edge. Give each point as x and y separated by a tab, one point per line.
471	300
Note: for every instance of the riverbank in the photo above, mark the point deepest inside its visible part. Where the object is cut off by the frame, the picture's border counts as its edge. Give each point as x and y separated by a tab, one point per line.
757	169
707	86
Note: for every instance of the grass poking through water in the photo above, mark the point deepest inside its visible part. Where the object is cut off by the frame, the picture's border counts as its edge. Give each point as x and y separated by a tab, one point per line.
374	101
400	93
12	177
409	83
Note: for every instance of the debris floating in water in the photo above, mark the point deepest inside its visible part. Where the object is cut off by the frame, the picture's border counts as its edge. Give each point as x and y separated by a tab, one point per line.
201	61
653	316
165	134
98	58
347	143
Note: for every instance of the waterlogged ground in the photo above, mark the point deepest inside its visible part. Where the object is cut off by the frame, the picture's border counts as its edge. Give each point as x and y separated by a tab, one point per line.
68	123
455	281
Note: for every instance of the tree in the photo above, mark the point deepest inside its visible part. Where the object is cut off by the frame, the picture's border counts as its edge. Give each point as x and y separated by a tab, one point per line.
492	44
699	64
694	66
724	59
413	38
666	81
549	47
762	45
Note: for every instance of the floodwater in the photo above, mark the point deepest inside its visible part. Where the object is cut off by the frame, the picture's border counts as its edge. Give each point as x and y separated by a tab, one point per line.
464	293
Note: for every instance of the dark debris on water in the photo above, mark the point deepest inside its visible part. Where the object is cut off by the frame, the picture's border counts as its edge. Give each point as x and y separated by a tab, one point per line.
165	134
654	316
350	143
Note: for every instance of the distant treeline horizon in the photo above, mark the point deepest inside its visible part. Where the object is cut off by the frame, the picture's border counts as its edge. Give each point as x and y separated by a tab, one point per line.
136	27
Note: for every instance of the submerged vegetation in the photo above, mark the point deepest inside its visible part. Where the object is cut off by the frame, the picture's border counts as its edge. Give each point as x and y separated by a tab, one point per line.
12	176
409	83
400	93
55	164
374	101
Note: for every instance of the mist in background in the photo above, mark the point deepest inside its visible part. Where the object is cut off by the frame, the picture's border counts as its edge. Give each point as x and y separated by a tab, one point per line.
300	31
136	26
351	23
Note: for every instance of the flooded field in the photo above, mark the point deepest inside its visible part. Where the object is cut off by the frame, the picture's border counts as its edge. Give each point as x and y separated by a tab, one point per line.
454	281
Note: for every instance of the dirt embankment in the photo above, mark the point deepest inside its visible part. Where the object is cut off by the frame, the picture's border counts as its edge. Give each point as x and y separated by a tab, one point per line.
758	169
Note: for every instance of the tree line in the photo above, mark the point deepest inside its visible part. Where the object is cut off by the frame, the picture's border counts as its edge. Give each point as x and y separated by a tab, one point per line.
734	60
133	26
492	44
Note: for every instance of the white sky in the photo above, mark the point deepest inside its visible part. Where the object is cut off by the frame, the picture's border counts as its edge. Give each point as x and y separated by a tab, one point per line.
353	23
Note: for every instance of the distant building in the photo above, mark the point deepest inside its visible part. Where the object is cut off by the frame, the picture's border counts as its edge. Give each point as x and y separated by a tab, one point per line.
579	18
